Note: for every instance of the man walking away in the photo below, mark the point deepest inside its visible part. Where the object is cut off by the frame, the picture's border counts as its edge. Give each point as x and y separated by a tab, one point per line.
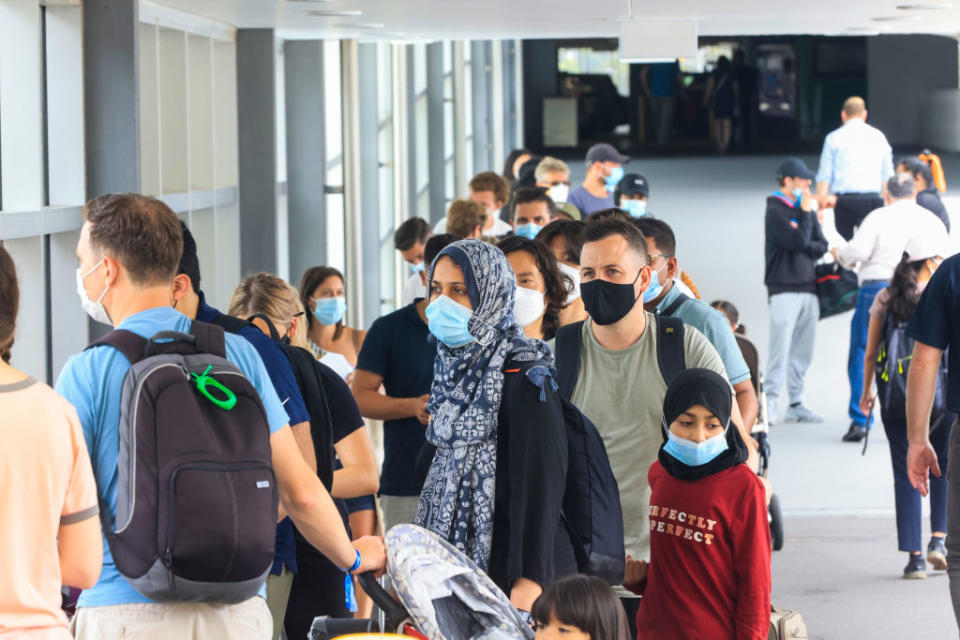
878	246
855	162
794	242
935	326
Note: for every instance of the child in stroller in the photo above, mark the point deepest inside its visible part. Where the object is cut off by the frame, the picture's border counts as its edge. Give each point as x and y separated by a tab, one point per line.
440	595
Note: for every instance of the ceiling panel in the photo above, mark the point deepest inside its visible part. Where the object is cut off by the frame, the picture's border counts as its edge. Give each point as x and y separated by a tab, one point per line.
454	19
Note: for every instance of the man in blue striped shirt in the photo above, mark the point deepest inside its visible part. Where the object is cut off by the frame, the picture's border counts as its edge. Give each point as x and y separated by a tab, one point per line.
855	164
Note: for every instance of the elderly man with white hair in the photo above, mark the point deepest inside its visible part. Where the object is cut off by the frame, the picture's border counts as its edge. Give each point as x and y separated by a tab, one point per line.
878	246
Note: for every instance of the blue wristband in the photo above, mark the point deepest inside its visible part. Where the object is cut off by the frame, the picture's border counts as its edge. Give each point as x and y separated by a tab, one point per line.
350	597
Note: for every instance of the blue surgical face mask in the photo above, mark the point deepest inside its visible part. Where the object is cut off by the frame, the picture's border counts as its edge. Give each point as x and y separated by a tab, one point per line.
636	208
330	310
416	268
616	174
694	454
448	320
529	230
654	289
797	193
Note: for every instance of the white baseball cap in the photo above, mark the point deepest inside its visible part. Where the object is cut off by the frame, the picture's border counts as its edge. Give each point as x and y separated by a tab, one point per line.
925	246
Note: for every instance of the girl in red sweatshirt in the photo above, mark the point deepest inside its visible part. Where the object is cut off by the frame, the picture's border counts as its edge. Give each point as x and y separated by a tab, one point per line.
709	571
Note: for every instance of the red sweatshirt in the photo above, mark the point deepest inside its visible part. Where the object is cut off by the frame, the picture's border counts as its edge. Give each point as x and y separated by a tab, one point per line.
709	574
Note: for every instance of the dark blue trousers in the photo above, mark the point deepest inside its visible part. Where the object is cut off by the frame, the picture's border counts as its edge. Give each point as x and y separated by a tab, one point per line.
908	501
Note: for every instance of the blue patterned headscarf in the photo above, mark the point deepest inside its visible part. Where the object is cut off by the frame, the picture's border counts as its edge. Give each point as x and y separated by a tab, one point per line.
457	500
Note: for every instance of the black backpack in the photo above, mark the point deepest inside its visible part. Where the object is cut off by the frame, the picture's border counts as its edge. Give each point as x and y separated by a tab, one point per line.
196	494
306	370
893	366
591	511
670	355
591	502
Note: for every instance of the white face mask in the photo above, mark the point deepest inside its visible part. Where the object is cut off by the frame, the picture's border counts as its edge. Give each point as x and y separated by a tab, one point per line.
528	306
94	309
574	274
559	192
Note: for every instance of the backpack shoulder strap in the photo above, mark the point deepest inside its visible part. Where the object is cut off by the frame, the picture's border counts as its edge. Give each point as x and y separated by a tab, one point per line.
130	344
568	342
229	323
209	338
669	311
670	355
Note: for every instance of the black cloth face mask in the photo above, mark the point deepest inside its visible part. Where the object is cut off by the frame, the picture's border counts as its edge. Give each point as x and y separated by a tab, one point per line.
608	302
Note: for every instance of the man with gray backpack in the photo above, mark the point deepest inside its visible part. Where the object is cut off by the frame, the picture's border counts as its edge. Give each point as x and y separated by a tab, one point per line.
191	448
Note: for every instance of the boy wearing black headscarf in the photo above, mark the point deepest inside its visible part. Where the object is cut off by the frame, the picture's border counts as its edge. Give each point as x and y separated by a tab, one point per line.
709	571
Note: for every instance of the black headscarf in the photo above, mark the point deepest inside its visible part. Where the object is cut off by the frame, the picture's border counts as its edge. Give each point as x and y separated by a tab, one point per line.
711	390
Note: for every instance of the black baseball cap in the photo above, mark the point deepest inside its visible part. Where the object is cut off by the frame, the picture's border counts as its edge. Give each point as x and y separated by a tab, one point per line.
604	152
634	184
794	168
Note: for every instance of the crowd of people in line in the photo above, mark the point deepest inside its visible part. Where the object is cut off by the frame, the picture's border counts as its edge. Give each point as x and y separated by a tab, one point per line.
528	303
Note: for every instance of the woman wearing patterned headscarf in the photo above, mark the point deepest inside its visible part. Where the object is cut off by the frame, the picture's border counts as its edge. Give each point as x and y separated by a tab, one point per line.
495	486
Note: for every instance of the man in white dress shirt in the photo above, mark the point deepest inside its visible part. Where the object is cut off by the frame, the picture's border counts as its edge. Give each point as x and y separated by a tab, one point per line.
878	247
855	162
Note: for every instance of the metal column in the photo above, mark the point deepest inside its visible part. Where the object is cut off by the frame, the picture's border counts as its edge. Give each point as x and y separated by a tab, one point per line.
435	155
480	68
352	186
111	64
256	121
306	154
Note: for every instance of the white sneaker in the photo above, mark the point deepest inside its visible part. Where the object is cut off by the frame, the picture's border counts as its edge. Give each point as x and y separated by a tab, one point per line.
800	413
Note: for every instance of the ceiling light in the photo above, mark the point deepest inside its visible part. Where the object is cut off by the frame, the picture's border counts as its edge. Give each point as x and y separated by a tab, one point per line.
863	31
895	18
335	14
925	6
364	25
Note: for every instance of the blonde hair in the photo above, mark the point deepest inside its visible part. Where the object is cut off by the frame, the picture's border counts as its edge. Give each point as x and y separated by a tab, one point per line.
273	297
550	165
464	216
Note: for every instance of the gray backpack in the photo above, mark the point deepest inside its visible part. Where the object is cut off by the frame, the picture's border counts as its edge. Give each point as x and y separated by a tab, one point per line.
196	495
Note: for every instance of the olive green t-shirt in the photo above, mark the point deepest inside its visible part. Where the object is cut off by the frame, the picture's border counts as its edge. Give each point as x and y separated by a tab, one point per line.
622	394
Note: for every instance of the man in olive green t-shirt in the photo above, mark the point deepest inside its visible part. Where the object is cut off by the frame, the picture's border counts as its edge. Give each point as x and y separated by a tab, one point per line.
619	386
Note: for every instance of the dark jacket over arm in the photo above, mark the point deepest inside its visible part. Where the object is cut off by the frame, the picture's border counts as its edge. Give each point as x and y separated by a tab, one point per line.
529	540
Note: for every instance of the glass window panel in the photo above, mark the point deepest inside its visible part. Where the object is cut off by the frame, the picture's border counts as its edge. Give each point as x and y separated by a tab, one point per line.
419	68
421	151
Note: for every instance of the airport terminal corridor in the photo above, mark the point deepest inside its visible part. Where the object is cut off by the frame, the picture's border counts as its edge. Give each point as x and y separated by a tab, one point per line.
392	318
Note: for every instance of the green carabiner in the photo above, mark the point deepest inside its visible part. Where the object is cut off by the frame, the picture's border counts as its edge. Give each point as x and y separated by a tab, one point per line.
229	400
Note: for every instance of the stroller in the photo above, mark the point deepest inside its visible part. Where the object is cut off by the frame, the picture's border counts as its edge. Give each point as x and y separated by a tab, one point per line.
760	433
441	595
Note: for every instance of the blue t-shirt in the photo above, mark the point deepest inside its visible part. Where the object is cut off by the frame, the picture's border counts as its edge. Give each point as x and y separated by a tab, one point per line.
280	370
93	380
587	202
715	326
397	349
936	322
662	79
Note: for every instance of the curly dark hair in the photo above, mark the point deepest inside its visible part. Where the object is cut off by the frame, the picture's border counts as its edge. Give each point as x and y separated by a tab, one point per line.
557	284
903	289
